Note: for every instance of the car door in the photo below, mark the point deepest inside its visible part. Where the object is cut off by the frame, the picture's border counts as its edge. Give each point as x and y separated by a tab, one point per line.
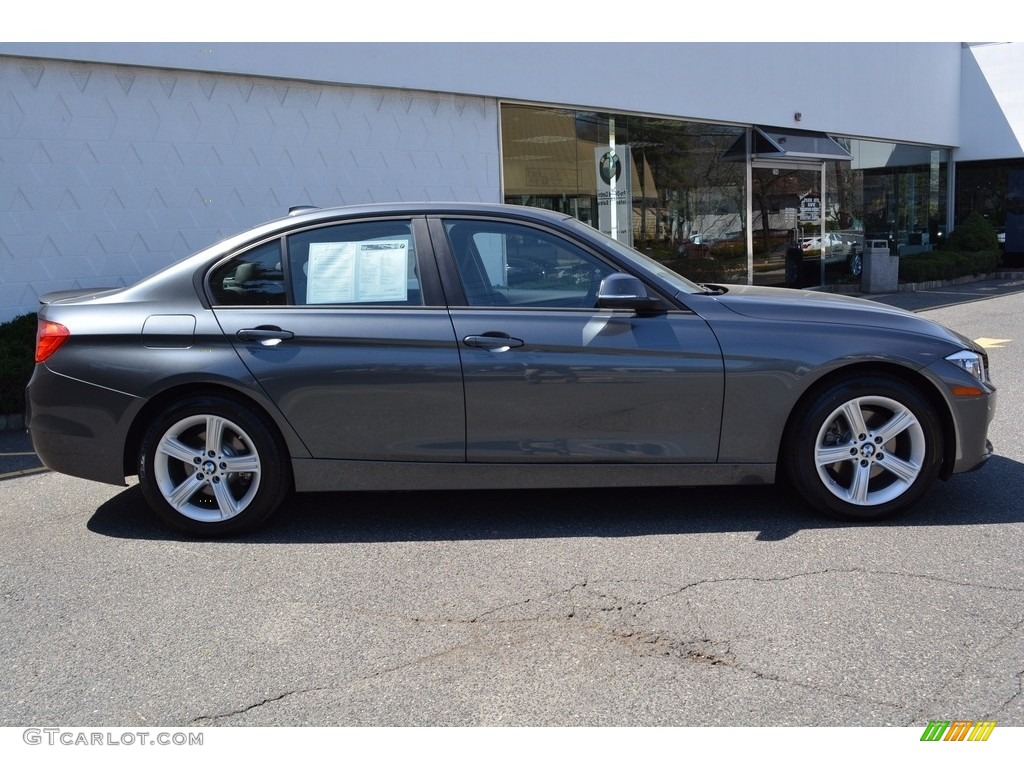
551	378
344	328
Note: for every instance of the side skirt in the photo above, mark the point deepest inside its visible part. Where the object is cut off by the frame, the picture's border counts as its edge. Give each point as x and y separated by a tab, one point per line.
327	475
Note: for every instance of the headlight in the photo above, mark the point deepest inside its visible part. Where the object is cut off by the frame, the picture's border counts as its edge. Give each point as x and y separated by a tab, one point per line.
971	362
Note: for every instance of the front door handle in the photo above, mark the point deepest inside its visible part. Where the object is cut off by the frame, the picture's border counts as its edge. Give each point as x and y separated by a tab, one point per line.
267	335
495	341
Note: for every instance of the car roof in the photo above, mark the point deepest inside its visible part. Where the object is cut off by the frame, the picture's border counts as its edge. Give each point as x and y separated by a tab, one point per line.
421	208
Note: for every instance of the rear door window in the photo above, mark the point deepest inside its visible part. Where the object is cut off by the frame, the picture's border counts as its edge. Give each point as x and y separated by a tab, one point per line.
359	263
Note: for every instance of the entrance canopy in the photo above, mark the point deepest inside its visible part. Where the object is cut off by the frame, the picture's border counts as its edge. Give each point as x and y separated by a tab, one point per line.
779	145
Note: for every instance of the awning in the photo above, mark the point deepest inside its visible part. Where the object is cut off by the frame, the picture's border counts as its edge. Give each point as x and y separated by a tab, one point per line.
787	144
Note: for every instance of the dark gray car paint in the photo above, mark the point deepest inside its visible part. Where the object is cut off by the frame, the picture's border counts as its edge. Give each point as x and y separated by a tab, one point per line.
749	354
588	385
368	383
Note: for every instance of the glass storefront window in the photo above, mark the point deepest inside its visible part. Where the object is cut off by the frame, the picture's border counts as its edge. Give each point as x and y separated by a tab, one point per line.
995	189
674	190
659	185
902	190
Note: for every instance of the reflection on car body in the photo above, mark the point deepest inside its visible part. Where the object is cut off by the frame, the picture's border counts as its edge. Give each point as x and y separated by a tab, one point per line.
427	346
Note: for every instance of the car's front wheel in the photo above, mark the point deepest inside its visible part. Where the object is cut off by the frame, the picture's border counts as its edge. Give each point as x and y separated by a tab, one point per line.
211	467
865	448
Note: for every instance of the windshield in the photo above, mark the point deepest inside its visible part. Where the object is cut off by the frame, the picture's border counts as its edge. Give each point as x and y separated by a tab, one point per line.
677	281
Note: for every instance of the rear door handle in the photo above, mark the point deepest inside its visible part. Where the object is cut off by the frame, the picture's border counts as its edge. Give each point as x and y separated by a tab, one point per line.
494	341
267	335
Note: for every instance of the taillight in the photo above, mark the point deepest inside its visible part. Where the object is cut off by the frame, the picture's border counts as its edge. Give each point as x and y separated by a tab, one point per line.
49	337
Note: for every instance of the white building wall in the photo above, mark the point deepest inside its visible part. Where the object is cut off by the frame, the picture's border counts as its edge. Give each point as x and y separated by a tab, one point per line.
893	91
108	173
992	102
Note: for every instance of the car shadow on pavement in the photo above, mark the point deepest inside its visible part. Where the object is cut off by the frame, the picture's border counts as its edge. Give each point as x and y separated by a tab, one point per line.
988	496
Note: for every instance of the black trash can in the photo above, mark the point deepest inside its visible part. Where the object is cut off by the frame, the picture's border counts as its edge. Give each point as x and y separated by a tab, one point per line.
794	265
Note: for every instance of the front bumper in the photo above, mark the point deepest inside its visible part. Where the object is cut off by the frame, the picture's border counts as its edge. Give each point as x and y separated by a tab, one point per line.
972	417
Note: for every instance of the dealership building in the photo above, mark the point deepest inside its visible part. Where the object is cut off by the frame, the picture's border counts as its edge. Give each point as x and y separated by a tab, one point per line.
718	159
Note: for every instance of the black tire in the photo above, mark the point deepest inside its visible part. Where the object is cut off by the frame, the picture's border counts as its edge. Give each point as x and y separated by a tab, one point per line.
210	466
856	263
884	437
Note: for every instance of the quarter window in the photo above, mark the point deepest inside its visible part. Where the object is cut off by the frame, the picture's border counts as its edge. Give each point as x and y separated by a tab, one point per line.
252	278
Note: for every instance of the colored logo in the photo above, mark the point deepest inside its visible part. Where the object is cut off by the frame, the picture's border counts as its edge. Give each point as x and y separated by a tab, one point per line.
958	730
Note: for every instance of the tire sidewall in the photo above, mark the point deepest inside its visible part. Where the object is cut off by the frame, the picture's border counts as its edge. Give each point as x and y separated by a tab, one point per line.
806	425
275	470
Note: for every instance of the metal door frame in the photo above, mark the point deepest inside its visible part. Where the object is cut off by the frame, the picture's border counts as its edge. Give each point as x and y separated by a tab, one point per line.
792	165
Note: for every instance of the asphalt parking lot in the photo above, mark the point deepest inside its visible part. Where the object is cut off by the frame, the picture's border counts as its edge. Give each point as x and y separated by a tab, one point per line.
687	607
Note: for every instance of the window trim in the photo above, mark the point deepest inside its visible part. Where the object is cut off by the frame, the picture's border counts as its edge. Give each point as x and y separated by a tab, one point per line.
431	292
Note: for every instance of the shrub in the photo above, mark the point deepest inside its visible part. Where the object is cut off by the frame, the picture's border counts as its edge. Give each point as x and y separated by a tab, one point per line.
17	357
972	235
947	265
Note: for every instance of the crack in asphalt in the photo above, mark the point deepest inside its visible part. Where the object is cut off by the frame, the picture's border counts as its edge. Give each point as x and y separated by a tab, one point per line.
425	658
700	649
1009	701
840	571
667	645
921	714
205	719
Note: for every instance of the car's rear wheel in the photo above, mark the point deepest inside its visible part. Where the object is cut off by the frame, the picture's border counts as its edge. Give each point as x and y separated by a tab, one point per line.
211	467
865	448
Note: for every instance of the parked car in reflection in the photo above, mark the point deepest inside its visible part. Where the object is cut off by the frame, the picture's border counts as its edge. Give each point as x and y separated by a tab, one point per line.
833	243
520	271
837	251
396	347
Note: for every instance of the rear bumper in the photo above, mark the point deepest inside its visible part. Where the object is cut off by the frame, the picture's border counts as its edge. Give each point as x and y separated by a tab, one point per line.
77	428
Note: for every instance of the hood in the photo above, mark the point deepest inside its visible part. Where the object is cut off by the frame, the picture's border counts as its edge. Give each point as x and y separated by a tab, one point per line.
813	307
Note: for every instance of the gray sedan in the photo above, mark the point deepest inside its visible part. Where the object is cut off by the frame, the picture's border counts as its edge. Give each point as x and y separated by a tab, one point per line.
386	347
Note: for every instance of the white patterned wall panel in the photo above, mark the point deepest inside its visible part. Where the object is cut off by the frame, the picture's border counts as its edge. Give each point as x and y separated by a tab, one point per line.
108	173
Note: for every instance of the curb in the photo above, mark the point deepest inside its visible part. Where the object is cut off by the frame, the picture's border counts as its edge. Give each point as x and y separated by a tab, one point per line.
23	473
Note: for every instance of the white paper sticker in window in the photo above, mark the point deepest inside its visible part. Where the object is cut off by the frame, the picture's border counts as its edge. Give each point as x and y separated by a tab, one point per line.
355	273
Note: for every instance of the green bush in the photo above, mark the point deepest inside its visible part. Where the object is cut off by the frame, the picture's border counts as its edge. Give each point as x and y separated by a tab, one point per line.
973	234
947	265
17	357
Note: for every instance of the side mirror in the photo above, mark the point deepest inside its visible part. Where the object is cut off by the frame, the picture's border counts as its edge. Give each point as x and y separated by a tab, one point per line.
622	291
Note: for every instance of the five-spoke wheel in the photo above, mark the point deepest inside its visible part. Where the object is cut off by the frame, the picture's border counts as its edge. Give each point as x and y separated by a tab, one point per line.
211	466
865	448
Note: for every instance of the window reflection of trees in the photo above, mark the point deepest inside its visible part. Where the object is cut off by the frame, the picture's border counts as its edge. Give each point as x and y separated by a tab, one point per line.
689	201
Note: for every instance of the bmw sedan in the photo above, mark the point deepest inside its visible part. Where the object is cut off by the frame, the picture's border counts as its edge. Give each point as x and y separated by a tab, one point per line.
386	347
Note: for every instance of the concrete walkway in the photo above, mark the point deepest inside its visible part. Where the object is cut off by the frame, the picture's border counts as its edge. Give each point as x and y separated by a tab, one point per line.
944	296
